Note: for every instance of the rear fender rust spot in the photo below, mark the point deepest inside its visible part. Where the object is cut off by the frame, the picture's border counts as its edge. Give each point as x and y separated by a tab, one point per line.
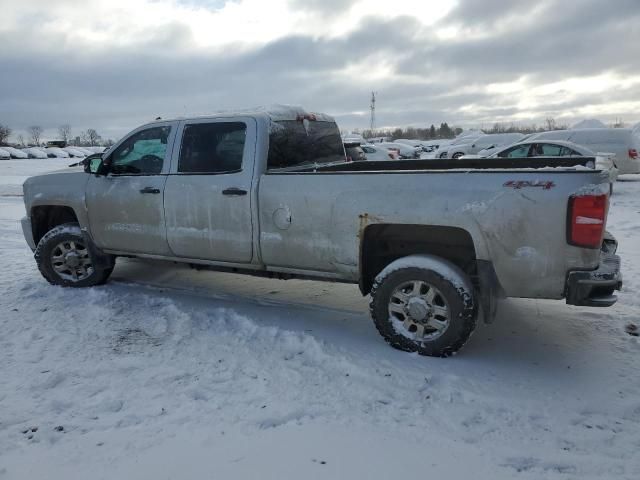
365	220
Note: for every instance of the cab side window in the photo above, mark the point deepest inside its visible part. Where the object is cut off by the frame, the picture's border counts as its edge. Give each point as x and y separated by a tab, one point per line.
143	153
212	147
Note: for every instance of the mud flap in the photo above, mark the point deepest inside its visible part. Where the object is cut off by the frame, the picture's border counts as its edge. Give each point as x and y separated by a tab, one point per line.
489	290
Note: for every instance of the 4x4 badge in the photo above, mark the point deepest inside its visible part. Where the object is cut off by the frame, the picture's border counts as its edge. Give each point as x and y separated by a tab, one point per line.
518	184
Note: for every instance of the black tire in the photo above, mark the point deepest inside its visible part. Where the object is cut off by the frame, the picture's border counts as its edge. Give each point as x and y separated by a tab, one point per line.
457	155
459	299
443	155
70	232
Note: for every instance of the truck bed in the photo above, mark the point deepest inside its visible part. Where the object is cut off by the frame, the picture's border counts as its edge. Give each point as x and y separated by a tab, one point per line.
453	164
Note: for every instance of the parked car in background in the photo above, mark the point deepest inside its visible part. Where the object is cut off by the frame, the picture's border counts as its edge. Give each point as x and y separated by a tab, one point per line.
35	152
474	144
354	152
15	152
433	148
4	154
421	144
88	151
379	139
404	151
462	139
622	142
558	148
75	152
56	152
353	138
377	153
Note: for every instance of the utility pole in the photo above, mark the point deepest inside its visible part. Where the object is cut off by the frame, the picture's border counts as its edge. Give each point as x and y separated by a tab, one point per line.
372	107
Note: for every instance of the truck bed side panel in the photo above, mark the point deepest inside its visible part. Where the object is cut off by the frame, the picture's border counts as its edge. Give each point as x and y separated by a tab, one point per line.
516	218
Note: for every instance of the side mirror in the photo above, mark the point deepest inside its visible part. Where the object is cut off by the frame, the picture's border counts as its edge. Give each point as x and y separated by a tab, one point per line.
96	165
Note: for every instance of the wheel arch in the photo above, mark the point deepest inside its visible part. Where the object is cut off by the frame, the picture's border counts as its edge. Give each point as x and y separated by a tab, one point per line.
46	217
384	243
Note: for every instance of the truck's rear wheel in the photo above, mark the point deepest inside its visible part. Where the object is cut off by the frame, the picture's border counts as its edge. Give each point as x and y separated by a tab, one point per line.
65	257
424	304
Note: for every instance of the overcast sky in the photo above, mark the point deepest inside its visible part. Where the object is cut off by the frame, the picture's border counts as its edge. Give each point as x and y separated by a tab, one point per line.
114	64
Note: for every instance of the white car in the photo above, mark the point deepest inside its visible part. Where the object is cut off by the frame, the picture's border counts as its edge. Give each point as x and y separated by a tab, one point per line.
377	153
56	152
35	152
15	153
423	145
4	154
434	147
622	142
405	151
558	148
462	139
88	151
471	145
75	152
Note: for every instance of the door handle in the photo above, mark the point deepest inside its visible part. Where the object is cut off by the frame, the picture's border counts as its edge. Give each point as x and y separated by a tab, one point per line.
234	191
150	190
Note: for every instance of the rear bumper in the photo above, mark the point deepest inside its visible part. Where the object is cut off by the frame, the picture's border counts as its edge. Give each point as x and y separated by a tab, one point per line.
28	232
595	288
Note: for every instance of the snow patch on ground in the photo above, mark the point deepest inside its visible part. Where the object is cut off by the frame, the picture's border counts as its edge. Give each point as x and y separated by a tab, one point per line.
167	372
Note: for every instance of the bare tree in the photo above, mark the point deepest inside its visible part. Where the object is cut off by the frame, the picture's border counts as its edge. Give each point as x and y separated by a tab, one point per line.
5	131
551	123
35	131
64	132
21	140
93	137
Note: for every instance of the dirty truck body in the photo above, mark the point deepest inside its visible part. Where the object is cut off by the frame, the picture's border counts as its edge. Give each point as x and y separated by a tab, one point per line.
270	193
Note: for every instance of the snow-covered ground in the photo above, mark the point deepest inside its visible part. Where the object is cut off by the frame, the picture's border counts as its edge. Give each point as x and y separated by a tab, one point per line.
167	372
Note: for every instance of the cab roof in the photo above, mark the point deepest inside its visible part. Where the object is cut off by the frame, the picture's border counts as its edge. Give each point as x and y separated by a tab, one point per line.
273	112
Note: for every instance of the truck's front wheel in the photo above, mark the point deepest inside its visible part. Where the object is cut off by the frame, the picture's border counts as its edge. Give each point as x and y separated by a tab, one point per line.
65	257
424	304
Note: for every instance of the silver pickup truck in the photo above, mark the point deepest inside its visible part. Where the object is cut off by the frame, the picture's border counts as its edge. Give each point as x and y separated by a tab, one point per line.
434	242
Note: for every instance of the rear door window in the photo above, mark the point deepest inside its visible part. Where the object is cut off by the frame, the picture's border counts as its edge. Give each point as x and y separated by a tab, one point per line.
215	147
303	143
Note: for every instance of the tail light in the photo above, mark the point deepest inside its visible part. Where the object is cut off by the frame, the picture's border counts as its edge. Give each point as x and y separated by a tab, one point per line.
586	220
633	153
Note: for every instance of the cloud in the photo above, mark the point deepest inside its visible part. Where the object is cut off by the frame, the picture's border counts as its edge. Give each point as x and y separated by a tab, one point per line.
111	66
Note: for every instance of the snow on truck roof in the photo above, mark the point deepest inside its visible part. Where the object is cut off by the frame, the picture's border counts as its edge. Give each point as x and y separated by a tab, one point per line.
275	113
